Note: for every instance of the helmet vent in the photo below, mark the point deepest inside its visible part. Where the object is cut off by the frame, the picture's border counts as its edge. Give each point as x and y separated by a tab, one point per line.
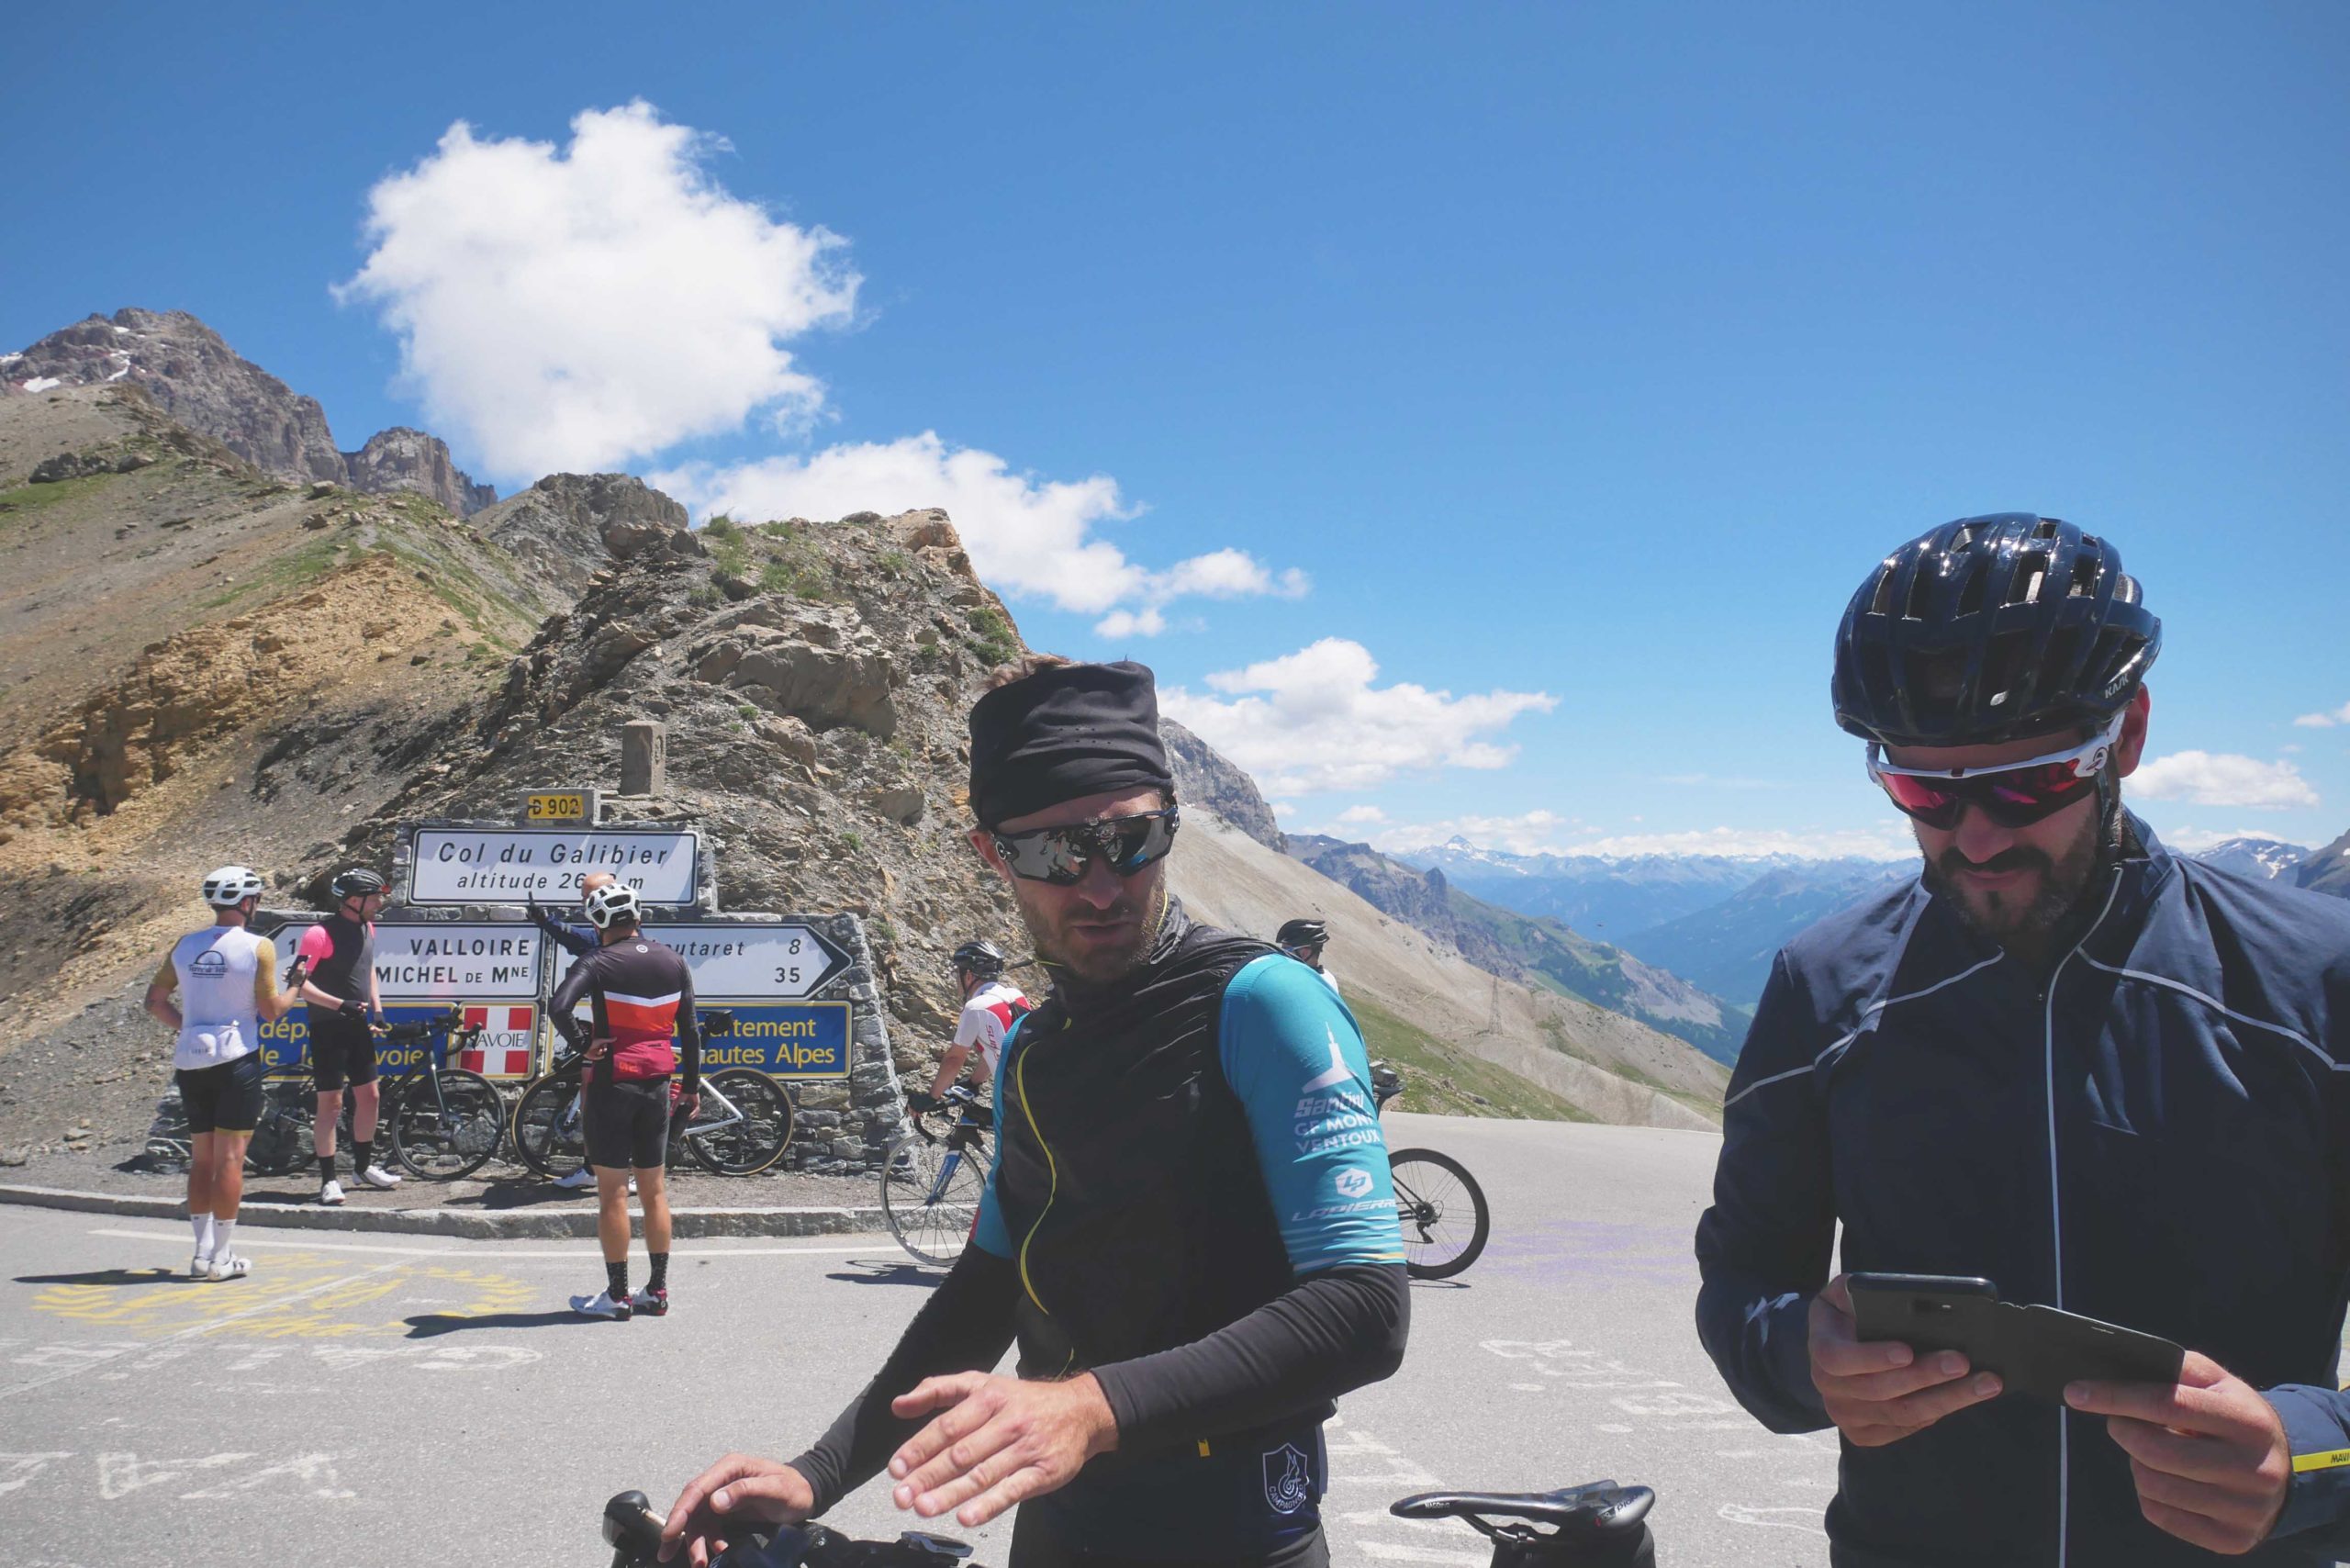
1970	593
2085	571
1919	590
2031	572
2047	529
1882	603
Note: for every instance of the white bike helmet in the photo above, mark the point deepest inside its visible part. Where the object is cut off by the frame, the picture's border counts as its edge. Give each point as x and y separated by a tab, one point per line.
610	903
232	885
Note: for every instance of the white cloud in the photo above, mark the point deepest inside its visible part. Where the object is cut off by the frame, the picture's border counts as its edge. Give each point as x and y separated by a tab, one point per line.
2220	779
1027	536
1312	721
573	308
1354	814
2325	721
1886	843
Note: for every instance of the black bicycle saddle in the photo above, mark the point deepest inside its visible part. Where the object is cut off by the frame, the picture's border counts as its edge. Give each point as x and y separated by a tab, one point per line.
1597	1511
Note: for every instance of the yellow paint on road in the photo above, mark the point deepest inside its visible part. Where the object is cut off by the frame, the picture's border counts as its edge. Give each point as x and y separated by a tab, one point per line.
302	1295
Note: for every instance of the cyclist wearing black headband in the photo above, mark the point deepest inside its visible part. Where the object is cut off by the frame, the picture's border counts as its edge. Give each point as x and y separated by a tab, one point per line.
2110	1080
1189	1229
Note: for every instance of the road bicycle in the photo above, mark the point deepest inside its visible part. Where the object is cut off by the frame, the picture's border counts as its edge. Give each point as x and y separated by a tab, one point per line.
741	1126
1439	1204
440	1122
1599	1525
931	1181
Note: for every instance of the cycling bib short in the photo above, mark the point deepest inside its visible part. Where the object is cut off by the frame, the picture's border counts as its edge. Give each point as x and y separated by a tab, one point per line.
224	1099
628	1123
342	1050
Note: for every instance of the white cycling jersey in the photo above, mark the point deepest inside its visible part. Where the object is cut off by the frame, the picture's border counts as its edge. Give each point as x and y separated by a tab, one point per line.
224	974
988	1017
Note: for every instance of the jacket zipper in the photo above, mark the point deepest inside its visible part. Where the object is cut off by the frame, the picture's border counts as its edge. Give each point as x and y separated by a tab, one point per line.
1052	1171
2056	1211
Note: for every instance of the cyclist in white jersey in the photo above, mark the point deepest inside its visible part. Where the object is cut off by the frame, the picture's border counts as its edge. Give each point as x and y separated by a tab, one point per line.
227	978
991	1006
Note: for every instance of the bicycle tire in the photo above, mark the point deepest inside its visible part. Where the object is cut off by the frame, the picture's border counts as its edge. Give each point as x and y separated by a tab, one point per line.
751	1145
539	1133
932	1231
444	1137
281	1143
1430	1189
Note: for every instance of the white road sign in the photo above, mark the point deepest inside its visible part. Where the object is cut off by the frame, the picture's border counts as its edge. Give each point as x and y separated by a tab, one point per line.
745	963
440	962
468	865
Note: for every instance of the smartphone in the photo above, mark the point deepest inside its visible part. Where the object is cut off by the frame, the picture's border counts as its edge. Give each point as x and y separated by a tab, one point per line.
2035	1350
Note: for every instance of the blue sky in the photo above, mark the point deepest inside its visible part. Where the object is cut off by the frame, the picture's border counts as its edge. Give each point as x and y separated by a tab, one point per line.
1568	366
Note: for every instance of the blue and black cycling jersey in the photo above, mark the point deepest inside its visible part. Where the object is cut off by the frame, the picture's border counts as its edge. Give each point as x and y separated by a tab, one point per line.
1191	1201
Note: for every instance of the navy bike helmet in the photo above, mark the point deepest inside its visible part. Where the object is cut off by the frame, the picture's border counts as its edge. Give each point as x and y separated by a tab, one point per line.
980	957
1990	629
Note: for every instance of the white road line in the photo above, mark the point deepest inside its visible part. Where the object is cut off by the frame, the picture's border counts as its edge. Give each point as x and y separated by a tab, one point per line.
885	1249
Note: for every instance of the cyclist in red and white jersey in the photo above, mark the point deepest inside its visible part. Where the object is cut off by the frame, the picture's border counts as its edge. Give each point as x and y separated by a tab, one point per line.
992	1006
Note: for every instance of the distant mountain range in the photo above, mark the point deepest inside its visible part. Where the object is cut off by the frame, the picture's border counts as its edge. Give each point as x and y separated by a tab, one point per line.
1716	921
1533	949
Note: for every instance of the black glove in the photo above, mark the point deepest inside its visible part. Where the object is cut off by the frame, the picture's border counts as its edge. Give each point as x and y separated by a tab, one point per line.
352	1007
921	1102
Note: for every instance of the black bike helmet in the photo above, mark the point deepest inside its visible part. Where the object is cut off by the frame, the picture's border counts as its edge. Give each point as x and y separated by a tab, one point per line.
356	883
1301	934
980	957
1990	629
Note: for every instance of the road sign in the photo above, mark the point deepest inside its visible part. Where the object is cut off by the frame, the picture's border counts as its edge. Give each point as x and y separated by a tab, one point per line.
801	1040
557	807
747	962
507	865
441	961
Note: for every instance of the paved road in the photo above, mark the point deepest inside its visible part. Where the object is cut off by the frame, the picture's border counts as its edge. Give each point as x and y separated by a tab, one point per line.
433	1401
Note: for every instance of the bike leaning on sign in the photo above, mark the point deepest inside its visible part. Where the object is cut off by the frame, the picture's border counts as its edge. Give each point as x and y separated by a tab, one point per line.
741	1127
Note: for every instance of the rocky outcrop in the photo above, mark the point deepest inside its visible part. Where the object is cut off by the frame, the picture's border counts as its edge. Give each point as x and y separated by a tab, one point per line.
405	459
1202	776
818	665
187	370
561	528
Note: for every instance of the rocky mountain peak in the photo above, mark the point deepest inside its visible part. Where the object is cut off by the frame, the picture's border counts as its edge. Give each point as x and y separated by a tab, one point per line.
1205	777
561	529
190	372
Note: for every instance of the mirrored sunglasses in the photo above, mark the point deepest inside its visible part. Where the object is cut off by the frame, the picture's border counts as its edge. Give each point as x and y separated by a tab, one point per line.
1061	855
2015	795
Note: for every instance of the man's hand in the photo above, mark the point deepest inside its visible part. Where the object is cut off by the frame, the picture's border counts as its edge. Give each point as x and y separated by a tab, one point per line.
600	1048
734	1494
997	1441
2210	1456
689	1105
1879	1391
921	1102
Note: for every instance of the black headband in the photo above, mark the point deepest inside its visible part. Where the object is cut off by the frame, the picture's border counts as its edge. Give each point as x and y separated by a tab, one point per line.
1063	734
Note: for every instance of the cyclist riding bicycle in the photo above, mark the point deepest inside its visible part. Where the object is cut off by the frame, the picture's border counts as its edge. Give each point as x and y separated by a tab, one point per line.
2105	1078
992	1006
227	981
641	996
1304	940
1193	1256
346	1007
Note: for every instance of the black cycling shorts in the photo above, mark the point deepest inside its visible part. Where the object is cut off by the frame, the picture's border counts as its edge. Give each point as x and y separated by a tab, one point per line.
342	1050
628	1123
222	1099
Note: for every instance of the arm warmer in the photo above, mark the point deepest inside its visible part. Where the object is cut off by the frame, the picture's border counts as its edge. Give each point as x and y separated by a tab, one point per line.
689	1035
965	1326
566	997
1327	1334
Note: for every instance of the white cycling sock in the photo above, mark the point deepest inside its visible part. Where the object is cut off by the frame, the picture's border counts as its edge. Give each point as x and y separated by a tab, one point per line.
221	1230
202	1224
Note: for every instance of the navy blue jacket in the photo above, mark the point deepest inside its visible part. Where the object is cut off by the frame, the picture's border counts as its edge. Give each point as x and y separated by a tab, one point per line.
2157	1134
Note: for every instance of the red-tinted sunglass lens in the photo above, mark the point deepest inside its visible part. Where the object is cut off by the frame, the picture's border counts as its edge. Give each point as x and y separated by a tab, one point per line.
1929	801
2013	798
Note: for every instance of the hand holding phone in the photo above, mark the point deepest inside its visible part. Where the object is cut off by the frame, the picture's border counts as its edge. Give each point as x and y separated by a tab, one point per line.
1879	1391
2035	1350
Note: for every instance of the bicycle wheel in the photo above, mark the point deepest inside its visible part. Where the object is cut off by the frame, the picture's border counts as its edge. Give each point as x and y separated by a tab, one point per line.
1442	1211
280	1142
930	1195
750	1146
549	1133
451	1133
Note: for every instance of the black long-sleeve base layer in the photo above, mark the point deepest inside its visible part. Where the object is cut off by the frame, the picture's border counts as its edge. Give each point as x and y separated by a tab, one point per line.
1325	1335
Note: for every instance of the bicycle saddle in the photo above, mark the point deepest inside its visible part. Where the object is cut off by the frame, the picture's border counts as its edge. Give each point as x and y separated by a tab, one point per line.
1594	1512
631	1529
718	1021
